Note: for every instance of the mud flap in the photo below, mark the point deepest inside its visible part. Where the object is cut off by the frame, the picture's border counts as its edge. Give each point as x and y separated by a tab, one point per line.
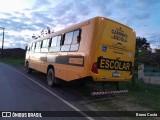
109	92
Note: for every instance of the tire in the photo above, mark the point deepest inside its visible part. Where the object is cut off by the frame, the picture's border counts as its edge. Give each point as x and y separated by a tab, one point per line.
51	80
28	70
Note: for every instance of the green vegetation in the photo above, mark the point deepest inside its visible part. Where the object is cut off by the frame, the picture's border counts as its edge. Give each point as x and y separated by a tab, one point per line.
141	94
145	95
13	61
144	53
141	97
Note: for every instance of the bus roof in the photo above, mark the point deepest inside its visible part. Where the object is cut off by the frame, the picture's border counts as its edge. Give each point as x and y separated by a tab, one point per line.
73	27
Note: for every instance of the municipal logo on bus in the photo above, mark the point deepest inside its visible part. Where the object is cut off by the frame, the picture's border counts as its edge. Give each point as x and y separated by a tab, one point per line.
104	48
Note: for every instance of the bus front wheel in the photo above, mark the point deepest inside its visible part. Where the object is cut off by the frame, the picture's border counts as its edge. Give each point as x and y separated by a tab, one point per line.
28	69
51	80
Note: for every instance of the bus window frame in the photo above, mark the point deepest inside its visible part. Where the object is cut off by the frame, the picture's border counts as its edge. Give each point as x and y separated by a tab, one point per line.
46	48
78	43
39	48
28	48
51	47
33	46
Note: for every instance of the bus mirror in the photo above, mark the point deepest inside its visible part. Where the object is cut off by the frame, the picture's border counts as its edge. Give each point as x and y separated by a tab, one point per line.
26	48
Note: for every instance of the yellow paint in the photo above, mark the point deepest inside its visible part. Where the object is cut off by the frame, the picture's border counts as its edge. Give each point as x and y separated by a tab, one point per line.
95	33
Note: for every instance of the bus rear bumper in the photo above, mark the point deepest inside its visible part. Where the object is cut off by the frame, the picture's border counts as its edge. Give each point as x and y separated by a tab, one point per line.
105	79
109	92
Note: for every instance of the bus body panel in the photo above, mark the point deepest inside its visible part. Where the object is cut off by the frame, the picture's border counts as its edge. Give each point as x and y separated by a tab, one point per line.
115	51
105	44
67	66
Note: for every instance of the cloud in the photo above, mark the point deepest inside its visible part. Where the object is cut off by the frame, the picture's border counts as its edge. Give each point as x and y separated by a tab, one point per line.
40	3
15	44
15	40
58	14
154	39
69	12
142	15
13	24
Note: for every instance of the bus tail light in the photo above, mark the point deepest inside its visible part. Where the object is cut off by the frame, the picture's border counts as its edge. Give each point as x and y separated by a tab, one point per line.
94	68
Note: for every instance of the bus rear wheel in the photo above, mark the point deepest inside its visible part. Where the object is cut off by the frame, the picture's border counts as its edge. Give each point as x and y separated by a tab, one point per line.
51	80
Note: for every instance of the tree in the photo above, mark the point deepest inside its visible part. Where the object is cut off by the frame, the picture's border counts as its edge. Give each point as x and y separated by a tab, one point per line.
143	51
142	45
155	57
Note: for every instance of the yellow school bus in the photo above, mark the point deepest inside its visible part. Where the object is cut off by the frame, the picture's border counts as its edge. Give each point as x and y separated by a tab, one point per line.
99	49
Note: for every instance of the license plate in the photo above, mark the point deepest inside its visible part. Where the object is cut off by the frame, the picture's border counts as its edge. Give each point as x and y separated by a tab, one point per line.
116	74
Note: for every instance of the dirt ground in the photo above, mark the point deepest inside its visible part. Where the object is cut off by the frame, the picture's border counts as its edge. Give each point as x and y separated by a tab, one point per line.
116	103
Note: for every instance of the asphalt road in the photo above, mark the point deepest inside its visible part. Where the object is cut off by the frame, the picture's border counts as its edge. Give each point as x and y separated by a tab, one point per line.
20	91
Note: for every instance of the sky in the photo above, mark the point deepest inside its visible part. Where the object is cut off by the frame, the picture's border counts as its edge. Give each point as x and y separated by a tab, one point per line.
23	18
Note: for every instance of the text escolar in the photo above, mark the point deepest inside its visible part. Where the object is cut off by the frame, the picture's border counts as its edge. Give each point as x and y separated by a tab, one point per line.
104	63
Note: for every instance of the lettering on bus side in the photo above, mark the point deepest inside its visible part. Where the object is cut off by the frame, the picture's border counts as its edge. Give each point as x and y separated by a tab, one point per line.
110	64
68	60
119	34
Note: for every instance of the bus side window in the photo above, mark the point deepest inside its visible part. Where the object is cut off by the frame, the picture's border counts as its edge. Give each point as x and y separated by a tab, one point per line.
67	41
38	46
59	41
54	41
33	47
55	44
44	46
68	38
76	40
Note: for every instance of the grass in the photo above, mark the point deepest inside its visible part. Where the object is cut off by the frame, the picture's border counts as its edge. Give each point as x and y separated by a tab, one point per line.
18	62
141	97
145	95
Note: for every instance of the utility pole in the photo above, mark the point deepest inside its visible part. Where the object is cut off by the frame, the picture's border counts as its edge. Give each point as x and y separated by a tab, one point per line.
2	43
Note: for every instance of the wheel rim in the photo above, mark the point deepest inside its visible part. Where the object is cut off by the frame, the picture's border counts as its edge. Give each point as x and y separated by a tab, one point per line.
50	77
